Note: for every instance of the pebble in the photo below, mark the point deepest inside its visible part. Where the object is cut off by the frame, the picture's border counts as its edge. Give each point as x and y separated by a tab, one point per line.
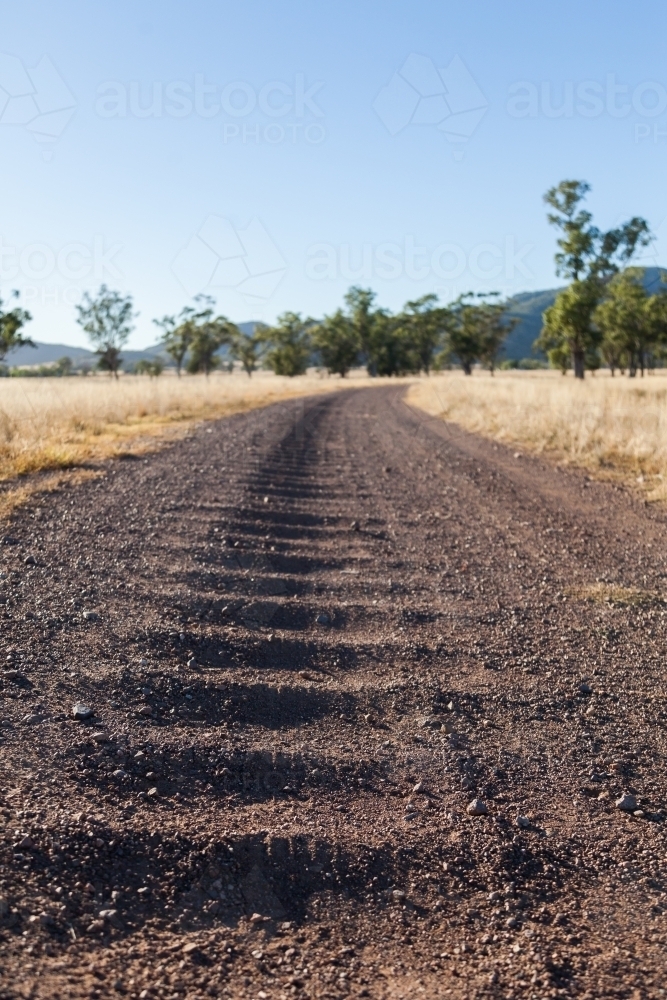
419	787
523	822
627	802
90	616
81	711
355	526
477	808
145	710
398	894
111	916
323	619
585	689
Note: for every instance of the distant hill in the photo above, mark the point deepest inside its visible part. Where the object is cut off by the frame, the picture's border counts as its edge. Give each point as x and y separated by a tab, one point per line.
529	306
46	354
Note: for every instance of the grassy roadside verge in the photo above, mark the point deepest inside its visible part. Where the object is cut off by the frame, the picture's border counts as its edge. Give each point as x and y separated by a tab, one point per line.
616	428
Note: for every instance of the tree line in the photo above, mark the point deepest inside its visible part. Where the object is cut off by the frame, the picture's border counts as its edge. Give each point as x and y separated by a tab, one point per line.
423	336
605	315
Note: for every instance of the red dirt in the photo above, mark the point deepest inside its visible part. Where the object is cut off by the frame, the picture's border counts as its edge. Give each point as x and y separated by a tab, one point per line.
374	608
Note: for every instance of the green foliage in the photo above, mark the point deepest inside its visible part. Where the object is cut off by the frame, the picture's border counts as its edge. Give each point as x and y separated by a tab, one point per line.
384	345
475	331
248	348
12	322
337	342
63	366
521	364
363	320
208	333
289	345
177	333
568	325
633	324
153	367
424	326
494	326
589	258
560	358
107	319
392	351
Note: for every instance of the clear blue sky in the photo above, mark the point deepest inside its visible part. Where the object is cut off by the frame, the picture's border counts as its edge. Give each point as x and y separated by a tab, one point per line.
272	153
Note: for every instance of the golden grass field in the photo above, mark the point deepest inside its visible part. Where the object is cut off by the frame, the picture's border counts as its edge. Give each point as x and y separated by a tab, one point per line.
612	426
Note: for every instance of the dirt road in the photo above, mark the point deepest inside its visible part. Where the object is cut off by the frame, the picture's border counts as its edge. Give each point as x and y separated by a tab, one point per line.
309	638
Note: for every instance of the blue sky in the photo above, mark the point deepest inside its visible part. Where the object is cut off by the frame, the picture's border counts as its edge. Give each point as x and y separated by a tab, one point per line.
273	153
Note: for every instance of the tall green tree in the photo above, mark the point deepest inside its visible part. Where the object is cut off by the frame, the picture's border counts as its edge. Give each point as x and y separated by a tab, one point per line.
367	324
393	350
568	330
624	322
475	331
588	258
425	325
248	347
153	367
289	345
108	320
494	327
177	333
209	334
336	339
12	322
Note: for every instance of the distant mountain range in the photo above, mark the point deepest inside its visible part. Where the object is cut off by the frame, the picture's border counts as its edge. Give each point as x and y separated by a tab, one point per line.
46	354
528	307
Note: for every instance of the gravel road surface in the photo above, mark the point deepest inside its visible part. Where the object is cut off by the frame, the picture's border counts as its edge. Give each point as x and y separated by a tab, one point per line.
332	699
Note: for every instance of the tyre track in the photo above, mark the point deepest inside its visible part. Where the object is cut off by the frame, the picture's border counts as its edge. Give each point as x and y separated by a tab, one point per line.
310	636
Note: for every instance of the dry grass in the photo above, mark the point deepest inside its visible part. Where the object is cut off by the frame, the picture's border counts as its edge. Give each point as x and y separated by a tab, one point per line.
613	593
48	425
16	496
611	426
55	423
